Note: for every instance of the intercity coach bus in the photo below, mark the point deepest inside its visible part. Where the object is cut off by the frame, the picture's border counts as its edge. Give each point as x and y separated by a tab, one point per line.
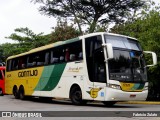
99	66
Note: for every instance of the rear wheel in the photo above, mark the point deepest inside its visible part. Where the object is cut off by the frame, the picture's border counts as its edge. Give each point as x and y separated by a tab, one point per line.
1	92
109	103
21	93
16	93
76	96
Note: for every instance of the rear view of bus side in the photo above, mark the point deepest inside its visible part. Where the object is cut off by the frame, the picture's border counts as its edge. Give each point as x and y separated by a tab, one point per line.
99	66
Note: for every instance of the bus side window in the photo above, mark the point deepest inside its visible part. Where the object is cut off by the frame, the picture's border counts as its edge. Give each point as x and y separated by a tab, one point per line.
57	55
75	51
80	56
72	57
9	63
21	63
54	59
67	54
15	64
61	58
40	59
29	61
46	58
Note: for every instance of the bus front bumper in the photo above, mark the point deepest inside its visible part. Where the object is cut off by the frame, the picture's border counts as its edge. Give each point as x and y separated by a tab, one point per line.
119	95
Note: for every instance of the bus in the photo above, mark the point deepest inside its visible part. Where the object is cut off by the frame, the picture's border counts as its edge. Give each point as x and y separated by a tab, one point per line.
2	79
99	66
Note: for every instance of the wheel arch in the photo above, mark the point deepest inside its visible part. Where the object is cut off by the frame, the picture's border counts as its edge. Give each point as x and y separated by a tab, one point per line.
75	85
14	88
21	87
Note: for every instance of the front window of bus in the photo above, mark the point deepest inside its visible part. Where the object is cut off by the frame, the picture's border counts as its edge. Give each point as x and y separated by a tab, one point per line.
128	64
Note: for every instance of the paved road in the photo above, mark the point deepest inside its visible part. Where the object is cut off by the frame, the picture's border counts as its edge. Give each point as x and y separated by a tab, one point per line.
9	103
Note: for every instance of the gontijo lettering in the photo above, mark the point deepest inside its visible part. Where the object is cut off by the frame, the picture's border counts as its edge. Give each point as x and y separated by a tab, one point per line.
28	73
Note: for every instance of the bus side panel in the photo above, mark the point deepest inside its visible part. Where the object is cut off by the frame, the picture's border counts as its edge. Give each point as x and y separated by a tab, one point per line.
62	77
49	80
28	78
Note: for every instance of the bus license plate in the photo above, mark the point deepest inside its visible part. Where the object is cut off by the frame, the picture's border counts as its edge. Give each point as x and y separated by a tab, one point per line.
132	96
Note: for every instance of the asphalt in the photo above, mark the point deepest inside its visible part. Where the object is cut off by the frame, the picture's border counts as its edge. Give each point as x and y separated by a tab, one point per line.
141	102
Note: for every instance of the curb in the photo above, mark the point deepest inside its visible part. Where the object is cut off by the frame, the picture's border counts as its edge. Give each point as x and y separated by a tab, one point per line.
140	102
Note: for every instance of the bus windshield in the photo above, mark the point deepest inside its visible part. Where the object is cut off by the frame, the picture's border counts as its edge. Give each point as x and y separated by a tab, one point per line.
128	64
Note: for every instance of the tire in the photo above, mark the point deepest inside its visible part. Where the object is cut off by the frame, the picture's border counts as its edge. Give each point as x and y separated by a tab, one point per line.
1	92
109	103
15	93
76	96
21	93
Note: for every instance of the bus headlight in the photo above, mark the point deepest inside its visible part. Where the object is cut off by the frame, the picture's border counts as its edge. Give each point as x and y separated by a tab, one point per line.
114	86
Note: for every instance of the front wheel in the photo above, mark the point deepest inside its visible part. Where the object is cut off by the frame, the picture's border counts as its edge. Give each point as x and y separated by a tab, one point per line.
76	96
109	103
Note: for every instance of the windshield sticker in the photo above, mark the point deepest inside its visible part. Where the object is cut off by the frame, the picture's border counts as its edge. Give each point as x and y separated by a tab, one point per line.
132	54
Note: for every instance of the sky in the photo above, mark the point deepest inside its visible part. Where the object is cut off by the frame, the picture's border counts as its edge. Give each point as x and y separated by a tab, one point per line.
22	13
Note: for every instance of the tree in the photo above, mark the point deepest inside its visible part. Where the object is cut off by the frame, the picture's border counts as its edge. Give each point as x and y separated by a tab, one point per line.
29	40
7	50
90	12
146	29
63	31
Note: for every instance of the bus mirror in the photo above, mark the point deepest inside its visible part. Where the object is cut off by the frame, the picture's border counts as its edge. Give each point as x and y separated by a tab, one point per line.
109	49
154	58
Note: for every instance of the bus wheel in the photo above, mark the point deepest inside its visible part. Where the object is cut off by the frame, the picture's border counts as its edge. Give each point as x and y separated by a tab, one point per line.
1	92
76	96
15	92
109	103
21	93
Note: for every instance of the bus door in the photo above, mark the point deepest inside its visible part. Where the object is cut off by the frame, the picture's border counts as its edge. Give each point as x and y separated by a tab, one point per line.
96	67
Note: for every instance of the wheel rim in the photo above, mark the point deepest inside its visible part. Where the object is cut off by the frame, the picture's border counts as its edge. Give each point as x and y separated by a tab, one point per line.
21	94
15	93
77	95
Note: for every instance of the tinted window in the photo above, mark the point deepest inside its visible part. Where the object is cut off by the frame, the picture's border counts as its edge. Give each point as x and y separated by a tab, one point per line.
122	42
95	59
67	53
9	63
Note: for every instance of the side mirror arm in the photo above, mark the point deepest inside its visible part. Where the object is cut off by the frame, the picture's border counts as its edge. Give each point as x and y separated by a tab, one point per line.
154	58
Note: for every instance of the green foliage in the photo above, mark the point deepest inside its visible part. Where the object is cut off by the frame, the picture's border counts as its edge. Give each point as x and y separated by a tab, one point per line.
63	31
29	40
25	40
7	50
90	12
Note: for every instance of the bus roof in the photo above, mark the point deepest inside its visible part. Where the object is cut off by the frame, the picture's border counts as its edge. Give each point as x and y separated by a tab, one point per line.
106	33
45	47
66	42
